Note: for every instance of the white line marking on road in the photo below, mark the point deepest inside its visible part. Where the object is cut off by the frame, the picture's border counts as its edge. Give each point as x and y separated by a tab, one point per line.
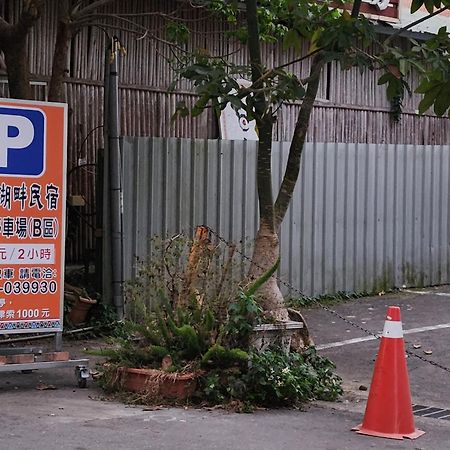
346	342
442	294
372	338
416	292
429	328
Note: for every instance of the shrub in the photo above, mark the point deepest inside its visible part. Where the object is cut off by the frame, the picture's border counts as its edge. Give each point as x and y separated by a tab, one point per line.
274	378
203	320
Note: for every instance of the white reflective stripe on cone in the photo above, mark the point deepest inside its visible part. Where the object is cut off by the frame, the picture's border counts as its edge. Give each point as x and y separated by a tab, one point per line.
392	329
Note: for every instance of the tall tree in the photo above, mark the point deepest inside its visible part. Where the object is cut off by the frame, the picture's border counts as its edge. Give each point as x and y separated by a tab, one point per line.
334	34
72	16
13	44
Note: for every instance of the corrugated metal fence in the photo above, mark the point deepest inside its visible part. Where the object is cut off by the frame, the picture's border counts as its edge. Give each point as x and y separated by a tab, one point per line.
364	217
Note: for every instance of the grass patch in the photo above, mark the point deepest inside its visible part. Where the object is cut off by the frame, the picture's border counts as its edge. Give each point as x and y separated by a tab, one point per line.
327	299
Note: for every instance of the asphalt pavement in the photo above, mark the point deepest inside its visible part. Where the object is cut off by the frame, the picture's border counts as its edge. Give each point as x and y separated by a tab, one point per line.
35	416
426	325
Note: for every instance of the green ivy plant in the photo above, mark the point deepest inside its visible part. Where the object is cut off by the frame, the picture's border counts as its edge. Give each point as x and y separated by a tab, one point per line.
274	378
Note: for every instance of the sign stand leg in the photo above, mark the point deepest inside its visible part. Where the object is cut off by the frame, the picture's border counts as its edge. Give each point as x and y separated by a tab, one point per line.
58	341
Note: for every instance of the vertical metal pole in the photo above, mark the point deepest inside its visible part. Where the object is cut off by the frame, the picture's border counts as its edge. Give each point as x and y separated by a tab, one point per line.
115	188
106	216
99	221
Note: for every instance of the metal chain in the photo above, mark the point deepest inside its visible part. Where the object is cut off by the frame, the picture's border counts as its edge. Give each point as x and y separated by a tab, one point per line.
326	308
429	361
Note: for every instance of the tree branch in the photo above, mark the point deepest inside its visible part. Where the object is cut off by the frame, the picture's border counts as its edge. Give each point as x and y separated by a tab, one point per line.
282	66
88	9
88	19
270	72
30	13
417	22
298	141
5	29
147	34
123	16
3	23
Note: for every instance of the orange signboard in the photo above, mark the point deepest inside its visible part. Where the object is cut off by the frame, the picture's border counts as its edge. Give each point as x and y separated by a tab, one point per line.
32	215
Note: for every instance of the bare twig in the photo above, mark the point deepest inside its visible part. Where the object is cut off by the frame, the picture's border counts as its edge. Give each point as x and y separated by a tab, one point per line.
417	22
89	8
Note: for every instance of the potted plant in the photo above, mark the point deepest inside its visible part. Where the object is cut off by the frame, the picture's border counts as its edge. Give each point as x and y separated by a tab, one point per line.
79	302
169	346
165	354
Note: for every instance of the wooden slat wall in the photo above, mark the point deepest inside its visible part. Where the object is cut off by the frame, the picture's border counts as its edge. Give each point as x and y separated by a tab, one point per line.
352	108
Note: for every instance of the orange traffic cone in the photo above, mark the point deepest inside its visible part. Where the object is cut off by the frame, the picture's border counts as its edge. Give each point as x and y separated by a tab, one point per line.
389	409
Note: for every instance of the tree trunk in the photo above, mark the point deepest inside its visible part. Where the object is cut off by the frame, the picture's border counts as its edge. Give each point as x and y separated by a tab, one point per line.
16	59
266	250
59	66
265	255
271	217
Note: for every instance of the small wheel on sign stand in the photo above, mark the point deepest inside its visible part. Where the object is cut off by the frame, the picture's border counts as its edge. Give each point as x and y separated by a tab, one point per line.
82	374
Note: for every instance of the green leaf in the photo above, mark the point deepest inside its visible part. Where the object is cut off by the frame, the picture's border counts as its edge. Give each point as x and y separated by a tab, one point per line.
292	39
200	105
418	66
236	102
346	15
181	110
403	66
177	32
423	87
394	89
427	100
314	40
442	102
251	290
298	91
429	5
415	5
384	78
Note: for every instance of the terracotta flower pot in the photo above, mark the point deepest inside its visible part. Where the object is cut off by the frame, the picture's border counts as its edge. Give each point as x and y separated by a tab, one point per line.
158	383
80	310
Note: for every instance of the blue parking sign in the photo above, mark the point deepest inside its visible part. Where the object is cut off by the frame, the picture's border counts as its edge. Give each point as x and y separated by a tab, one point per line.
22	141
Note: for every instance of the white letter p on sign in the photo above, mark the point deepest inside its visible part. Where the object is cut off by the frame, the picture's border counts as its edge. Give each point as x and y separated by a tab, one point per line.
22	139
